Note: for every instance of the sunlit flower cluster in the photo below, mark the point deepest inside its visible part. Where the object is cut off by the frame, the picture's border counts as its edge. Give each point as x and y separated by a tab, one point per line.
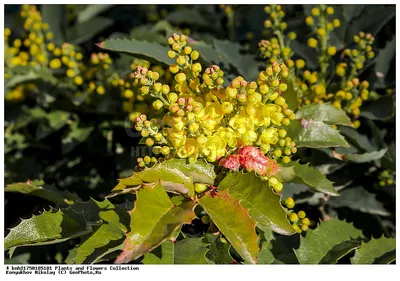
205	119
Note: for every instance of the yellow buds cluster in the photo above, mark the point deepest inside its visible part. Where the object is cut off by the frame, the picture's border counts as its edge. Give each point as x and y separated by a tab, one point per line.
362	52
275	20
271	49
299	221
387	177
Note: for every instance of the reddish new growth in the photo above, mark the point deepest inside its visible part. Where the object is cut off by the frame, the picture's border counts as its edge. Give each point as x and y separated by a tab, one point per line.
252	159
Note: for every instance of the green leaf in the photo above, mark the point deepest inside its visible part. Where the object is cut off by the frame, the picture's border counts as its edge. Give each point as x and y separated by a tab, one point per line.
42	190
372	251
365	157
339	251
219	251
380	109
153	220
292	94
318	242
186	251
46	228
359	199
100	237
315	134
255	195
31	75
81	32
265	256
234	222
323	112
53	15
291	189
141	49
90	11
175	175
307	175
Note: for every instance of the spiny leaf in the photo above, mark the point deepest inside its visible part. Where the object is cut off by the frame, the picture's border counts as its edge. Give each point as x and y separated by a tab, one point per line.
315	134
365	157
153	220
186	251
234	222
339	251
46	228
372	251
263	204
141	49
359	199
323	112
175	175
305	174
318	242
42	190
100	237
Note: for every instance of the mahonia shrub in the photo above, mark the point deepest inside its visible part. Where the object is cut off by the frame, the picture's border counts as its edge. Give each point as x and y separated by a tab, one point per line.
246	159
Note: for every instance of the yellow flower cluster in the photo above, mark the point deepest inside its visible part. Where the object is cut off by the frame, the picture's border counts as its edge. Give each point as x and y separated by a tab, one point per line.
276	48
205	119
38	51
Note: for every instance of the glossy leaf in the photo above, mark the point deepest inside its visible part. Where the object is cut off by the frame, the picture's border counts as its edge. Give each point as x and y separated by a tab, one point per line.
256	195
323	112
46	228
141	49
234	222
186	251
318	242
100	237
339	251
175	175
365	157
307	175
372	251
153	219
357	198
315	134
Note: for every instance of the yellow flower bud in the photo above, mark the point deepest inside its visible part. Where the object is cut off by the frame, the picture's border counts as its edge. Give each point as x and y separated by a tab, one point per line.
78	80
331	50
312	42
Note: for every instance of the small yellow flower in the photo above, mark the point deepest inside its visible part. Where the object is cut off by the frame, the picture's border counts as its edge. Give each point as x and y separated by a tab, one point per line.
100	90
312	42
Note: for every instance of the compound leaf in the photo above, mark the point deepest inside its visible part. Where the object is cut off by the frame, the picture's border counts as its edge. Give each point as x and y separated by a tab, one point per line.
323	112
